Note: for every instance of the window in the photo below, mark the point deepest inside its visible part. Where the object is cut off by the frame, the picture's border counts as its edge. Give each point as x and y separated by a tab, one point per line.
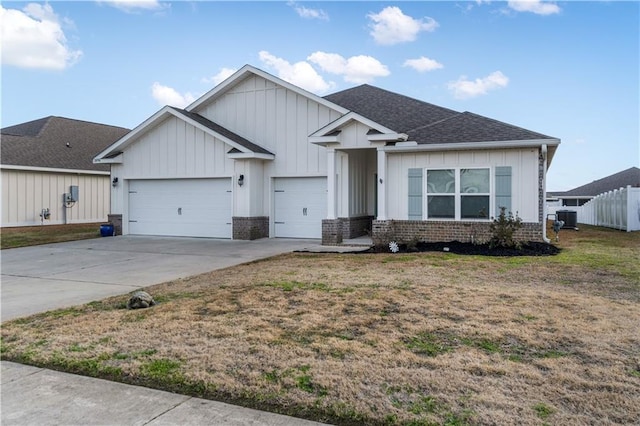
459	193
474	188
441	187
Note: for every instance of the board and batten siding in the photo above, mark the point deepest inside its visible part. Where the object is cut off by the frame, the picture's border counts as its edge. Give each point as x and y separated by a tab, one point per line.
278	119
172	150
524	176
26	193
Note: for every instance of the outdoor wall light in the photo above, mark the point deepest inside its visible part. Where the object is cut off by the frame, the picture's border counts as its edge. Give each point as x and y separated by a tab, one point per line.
114	182
241	180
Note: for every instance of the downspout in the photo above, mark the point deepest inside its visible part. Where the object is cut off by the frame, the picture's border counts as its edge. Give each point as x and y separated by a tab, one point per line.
544	194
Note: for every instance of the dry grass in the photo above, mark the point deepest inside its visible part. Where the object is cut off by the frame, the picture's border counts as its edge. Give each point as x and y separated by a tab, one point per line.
44	234
429	338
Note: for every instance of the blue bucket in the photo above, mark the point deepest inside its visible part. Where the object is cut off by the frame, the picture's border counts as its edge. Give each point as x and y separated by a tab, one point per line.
106	230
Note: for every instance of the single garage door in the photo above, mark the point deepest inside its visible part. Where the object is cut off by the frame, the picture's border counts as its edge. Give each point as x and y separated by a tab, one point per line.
300	206
180	207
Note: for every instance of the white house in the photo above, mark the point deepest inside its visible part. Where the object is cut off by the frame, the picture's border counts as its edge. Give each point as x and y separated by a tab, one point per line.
259	157
48	175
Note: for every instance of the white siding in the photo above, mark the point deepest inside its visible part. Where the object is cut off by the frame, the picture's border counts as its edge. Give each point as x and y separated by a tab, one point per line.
524	163
26	193
277	119
175	149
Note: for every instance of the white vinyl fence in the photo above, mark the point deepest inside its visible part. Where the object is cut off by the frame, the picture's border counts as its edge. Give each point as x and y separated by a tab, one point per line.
619	209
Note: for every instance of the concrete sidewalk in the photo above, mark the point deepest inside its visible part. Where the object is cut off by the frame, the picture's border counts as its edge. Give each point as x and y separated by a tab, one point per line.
41	278
36	396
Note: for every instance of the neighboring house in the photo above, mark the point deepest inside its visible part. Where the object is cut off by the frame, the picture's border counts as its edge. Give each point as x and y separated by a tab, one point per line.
48	176
259	157
582	194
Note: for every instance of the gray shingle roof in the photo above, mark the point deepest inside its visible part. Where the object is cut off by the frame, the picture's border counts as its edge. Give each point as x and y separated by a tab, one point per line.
615	181
426	123
223	131
469	127
57	142
398	112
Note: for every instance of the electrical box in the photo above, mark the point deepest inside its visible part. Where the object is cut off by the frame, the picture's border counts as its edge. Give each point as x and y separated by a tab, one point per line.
74	193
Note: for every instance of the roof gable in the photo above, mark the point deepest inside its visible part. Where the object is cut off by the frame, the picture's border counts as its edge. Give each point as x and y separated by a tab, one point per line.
245	71
57	143
236	142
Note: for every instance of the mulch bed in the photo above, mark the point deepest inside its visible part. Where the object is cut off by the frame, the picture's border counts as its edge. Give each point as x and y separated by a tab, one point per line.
530	248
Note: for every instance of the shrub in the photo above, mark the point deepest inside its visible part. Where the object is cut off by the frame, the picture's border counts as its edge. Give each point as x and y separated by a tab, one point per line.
503	228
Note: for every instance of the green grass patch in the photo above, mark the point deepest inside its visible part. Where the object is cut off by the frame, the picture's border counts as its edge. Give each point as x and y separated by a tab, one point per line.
160	368
543	411
297	285
429	344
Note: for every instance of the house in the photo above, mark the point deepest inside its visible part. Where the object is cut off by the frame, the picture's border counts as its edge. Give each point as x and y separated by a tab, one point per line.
577	197
259	157
48	174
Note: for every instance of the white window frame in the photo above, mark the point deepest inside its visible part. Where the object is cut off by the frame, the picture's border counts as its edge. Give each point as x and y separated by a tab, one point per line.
457	194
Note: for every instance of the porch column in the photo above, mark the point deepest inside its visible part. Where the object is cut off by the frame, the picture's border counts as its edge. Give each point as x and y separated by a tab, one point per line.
382	184
331	183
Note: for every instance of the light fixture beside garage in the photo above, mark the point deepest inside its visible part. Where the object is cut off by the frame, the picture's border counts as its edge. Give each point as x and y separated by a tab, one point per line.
114	182
241	180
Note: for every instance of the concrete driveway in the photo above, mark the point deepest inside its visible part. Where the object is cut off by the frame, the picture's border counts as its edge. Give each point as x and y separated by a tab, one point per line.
41	278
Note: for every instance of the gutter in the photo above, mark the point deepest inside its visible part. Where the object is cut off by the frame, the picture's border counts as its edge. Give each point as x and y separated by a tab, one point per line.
544	194
457	146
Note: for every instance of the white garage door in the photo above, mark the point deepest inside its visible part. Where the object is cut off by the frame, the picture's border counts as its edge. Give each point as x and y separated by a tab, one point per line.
300	206
180	207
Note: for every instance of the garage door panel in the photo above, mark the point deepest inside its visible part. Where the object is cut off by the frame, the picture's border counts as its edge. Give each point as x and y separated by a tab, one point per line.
300	205
180	207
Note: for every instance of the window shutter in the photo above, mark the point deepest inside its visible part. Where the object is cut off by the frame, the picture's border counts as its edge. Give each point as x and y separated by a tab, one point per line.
415	194
503	188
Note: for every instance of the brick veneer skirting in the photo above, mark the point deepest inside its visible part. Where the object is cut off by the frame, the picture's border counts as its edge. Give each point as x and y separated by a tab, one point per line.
250	228
116	221
335	230
404	231
353	227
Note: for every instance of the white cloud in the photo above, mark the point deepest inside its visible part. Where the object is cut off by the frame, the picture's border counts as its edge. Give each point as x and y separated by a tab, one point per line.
534	6
166	95
307	13
135	5
221	76
356	69
423	64
391	26
33	38
464	88
301	73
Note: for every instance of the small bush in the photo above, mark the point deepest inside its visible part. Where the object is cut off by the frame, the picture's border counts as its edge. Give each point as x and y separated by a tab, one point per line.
503	228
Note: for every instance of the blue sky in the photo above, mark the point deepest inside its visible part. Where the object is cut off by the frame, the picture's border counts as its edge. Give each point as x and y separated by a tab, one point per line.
565	69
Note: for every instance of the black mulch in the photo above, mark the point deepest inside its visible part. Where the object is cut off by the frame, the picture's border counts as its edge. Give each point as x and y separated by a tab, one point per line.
530	248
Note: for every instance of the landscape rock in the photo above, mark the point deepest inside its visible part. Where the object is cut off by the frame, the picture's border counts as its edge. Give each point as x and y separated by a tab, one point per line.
140	299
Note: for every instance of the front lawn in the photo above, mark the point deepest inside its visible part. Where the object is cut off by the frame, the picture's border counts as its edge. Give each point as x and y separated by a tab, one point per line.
406	338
